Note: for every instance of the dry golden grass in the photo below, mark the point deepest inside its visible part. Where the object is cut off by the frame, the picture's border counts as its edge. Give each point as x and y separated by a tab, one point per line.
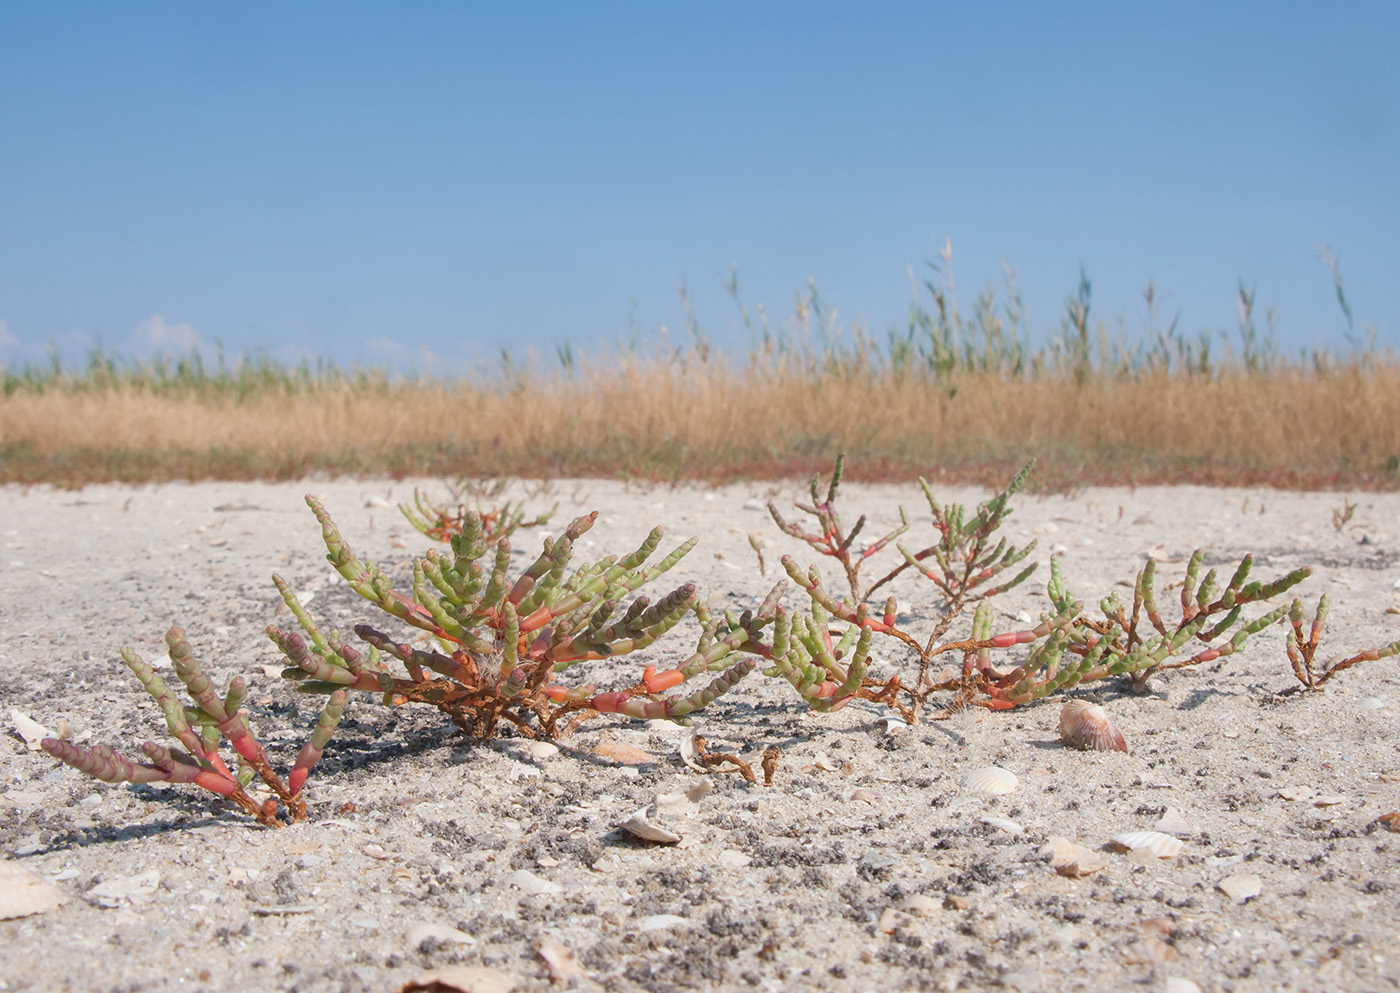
681	418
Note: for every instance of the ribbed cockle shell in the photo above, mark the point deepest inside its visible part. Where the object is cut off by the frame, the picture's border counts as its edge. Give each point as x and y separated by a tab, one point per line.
1086	726
992	779
1164	846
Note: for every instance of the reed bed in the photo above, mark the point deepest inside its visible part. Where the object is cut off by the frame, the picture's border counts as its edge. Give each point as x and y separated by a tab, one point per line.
961	397
676	420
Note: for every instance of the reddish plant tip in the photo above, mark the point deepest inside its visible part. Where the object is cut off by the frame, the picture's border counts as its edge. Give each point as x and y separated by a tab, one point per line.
609	703
658	681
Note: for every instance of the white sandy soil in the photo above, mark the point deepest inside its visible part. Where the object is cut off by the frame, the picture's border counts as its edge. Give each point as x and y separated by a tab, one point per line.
425	850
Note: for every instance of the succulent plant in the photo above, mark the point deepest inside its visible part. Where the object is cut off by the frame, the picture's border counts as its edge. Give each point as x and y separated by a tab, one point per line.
496	644
199	729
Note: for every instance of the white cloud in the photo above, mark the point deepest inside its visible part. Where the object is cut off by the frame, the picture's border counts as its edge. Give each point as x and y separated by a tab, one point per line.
155	336
7	340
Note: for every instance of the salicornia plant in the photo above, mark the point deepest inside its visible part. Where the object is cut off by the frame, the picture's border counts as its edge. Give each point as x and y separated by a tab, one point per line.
834	540
1302	649
199	729
498	520
968	565
499	643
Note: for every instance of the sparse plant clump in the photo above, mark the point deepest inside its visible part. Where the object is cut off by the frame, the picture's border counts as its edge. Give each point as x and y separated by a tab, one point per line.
1302	649
500	643
834	540
1078	648
494	647
1341	516
498	520
1066	648
199	729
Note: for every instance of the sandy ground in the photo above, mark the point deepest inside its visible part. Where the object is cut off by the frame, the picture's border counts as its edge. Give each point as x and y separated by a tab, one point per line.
475	853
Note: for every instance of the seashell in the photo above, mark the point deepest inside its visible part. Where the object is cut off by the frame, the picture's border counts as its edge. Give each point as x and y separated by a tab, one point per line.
416	934
623	754
531	885
1086	726
689	757
23	893
1164	846
135	890
920	905
734	858
1150	951
1172	822
29	729
639	826
1178	984
1069	859
892	920
1003	824
698	788
991	779
660	922
559	959
1240	888
472	978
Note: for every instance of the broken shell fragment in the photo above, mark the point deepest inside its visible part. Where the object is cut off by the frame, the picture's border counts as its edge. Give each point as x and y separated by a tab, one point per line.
1086	726
688	753
919	905
1003	824
639	826
621	753
1071	860
23	893
1164	846
29	729
1241	888
1172	822
991	779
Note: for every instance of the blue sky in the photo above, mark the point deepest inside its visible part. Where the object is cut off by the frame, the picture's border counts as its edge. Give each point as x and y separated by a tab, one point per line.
384	182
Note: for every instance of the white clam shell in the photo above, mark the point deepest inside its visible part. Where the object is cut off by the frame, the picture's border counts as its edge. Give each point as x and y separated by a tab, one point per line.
1164	846
991	779
1086	726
